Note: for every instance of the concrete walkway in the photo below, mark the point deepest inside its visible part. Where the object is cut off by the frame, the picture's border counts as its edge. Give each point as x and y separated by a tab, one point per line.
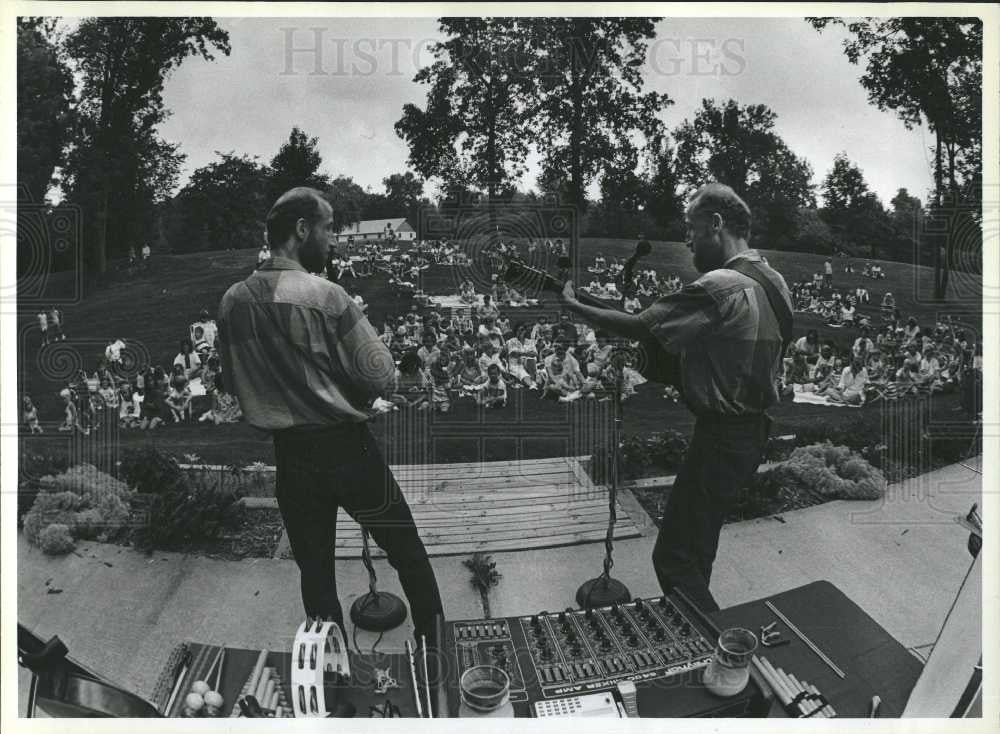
121	612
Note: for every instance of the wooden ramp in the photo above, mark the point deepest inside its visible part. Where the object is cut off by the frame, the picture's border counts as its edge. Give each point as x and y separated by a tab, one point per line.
498	506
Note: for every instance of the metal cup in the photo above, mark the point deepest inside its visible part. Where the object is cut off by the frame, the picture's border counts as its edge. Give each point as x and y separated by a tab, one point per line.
729	669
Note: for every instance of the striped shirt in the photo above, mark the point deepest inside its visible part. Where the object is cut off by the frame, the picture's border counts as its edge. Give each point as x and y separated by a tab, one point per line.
297	351
727	336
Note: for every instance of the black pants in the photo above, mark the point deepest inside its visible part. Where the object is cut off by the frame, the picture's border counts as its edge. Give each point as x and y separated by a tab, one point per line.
317	473
723	456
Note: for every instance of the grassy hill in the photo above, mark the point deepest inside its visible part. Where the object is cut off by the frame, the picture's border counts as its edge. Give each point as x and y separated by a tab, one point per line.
154	311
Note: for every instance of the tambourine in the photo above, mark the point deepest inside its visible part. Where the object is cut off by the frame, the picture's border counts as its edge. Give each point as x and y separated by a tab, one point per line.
319	649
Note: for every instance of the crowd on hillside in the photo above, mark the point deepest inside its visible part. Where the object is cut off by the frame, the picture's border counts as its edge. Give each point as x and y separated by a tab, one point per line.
477	352
192	388
893	361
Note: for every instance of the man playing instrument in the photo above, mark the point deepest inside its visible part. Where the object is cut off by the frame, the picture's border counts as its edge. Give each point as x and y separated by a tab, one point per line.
306	365
729	342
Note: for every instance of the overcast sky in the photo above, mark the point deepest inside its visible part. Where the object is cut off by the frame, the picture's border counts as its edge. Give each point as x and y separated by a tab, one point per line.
351	95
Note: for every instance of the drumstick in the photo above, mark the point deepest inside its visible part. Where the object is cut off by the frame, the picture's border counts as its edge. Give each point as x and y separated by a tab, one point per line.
218	673
177	684
413	677
208	675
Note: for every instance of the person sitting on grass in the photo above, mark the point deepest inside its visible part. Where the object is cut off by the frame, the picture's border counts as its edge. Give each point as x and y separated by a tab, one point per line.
129	405
108	396
29	416
429	352
796	374
851	389
930	371
489	355
411	383
71	420
471	375
494	391
152	404
188	359
562	381
823	380
201	346
179	397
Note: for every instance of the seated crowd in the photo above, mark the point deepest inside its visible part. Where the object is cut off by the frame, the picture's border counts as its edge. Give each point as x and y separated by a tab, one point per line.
478	354
193	386
894	362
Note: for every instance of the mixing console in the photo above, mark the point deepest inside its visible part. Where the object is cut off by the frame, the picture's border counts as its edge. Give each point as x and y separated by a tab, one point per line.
552	655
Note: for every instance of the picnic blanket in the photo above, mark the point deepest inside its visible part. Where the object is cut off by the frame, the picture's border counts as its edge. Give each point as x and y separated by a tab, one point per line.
454	302
814	399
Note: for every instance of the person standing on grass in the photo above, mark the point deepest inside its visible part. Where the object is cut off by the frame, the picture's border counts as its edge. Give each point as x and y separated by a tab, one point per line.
729	338
43	326
306	366
55	325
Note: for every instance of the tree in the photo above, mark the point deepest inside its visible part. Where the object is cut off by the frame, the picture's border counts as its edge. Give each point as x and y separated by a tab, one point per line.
296	163
472	132
854	213
663	201
221	207
929	69
119	163
589	98
347	200
844	186
44	108
404	197
737	146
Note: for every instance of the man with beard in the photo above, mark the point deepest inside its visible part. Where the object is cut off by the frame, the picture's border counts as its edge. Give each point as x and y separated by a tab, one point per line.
727	329
306	365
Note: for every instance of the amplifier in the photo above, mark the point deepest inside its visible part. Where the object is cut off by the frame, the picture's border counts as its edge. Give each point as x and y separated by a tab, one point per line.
661	644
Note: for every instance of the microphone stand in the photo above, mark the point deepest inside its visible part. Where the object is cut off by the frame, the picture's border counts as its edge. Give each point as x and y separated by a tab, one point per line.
604	590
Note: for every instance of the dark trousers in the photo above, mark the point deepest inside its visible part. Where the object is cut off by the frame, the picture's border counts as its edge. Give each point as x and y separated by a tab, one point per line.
721	460
317	473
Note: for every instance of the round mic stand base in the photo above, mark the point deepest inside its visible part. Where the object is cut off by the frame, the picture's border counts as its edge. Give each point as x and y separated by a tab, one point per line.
602	592
378	612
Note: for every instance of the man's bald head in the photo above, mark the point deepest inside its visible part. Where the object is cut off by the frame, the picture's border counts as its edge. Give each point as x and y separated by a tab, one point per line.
302	202
716	198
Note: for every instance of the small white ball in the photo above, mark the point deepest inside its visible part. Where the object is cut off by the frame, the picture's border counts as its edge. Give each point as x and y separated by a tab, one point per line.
200	687
214	698
194	701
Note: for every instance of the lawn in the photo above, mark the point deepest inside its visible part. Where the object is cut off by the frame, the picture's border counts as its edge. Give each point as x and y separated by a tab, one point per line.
153	311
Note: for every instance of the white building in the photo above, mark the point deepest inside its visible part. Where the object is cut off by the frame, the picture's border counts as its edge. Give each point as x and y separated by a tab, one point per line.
371	230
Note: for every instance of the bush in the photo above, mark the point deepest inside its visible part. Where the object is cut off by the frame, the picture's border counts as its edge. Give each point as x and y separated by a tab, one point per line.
90	504
634	457
668	449
664	450
31	468
190	512
150	471
56	540
51	508
834	472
